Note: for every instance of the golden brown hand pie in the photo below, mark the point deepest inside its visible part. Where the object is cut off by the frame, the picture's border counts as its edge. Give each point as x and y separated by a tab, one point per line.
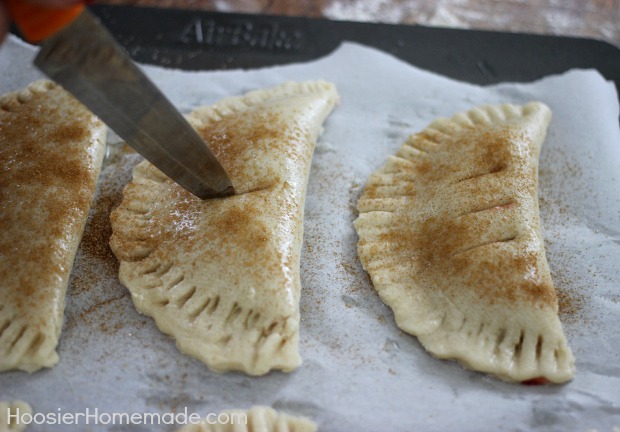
449	232
222	275
51	150
257	419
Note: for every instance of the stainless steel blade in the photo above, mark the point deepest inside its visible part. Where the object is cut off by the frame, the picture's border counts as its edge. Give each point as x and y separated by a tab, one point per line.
88	62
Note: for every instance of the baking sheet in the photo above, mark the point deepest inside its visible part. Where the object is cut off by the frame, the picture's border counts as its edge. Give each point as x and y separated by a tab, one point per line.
360	371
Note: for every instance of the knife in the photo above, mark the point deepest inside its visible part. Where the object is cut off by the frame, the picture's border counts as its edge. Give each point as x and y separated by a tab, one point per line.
81	55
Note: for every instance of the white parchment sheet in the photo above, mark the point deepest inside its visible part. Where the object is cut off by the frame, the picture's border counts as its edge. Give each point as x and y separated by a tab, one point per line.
360	373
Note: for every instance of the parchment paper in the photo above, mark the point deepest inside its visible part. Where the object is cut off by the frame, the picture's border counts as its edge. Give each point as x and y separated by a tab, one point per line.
360	372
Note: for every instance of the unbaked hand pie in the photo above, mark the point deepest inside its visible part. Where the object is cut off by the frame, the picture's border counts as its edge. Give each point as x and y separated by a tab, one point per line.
51	150
449	232
256	419
11	414
222	275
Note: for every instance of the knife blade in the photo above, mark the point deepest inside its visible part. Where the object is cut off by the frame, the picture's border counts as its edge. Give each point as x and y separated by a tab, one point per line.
87	61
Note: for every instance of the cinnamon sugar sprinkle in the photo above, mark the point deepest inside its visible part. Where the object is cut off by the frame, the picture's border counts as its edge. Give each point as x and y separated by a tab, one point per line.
46	185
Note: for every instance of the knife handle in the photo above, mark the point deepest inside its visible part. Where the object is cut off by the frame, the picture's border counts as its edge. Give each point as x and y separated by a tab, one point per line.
36	22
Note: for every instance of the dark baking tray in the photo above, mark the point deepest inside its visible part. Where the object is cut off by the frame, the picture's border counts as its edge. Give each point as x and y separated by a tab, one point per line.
192	40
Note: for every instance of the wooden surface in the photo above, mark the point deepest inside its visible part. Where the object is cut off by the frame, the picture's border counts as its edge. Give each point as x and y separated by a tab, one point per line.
599	19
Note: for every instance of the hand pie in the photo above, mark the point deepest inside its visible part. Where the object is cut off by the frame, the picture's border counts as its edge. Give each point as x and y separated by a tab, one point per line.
450	234
256	419
51	150
11	414
222	275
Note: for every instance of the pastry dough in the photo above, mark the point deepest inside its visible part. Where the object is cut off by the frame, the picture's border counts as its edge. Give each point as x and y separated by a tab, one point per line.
256	419
8	411
51	150
449	232
222	275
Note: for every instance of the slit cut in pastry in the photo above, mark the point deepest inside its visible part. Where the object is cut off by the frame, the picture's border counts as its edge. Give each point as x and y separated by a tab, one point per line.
256	419
222	275
449	232
51	150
